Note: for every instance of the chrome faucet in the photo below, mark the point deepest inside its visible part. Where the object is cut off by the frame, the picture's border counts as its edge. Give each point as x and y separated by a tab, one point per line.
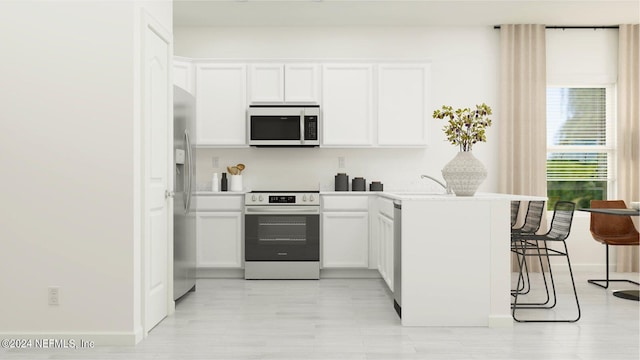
445	187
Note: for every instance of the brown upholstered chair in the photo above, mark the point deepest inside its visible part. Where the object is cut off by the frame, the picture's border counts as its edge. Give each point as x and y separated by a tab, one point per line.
612	230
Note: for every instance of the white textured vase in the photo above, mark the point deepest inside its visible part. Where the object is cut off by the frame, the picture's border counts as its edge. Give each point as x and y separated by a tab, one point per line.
464	174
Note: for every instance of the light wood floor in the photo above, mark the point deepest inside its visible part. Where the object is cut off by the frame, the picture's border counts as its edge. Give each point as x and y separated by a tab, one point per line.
354	319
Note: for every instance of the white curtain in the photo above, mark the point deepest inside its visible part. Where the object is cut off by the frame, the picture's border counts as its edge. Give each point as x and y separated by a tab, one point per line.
523	109
628	131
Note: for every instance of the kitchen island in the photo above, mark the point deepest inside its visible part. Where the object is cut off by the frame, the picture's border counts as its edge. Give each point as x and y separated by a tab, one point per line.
455	259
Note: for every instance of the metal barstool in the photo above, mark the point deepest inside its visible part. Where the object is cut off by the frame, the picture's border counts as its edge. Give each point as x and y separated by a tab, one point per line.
558	233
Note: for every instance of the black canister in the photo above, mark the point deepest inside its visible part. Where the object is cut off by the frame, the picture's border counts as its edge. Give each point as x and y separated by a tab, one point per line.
224	185
358	184
342	182
375	186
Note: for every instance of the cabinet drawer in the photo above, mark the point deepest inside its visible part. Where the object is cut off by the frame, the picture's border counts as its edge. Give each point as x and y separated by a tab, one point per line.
220	203
346	203
385	207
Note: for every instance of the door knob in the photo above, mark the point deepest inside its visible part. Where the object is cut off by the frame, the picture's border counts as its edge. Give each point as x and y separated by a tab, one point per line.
168	194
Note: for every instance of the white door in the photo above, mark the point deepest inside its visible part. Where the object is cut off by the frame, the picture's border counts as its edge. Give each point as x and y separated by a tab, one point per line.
157	115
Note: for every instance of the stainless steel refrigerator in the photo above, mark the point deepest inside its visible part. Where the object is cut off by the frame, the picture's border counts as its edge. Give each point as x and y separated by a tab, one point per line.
184	219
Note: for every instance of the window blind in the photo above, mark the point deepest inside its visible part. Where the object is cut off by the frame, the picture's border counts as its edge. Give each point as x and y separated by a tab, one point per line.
576	134
572	166
576	116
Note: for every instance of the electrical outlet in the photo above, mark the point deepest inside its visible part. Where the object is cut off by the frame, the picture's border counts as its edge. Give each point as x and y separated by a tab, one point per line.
215	161
341	162
54	295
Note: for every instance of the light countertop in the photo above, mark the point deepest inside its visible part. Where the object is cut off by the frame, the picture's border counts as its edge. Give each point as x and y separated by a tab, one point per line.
219	193
399	195
417	195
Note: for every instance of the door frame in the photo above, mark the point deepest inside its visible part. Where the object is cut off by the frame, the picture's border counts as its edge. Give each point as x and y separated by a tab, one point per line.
150	23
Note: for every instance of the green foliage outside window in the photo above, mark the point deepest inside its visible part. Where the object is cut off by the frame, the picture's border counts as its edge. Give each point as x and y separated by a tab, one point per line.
580	192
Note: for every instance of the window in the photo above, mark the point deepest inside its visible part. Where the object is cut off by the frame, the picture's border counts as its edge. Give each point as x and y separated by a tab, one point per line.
580	144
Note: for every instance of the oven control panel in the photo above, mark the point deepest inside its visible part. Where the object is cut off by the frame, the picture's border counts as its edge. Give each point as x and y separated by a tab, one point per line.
275	199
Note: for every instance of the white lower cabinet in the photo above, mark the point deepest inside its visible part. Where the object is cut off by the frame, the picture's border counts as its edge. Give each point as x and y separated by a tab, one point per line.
345	231
345	239
384	223
219	224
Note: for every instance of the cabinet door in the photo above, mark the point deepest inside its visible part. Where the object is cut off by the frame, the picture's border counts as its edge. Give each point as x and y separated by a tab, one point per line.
219	239
183	75
301	83
221	104
347	104
385	251
345	239
403	109
266	83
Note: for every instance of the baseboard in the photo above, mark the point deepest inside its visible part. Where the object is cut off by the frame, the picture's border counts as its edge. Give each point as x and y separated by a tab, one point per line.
62	340
500	321
345	273
219	273
349	274
139	333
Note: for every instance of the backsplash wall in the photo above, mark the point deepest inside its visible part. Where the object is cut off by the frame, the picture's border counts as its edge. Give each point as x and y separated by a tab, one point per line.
315	168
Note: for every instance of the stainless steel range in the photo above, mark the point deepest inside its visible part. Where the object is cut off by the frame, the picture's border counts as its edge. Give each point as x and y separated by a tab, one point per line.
282	235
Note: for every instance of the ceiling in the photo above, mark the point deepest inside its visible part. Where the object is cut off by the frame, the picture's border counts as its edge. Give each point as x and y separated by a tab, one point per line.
403	12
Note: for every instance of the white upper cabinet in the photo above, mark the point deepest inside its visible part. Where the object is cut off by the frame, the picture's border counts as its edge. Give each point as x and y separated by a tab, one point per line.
221	104
301	83
266	83
183	75
347	103
403	104
279	83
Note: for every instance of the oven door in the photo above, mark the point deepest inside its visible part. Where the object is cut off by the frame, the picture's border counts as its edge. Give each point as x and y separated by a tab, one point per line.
282	233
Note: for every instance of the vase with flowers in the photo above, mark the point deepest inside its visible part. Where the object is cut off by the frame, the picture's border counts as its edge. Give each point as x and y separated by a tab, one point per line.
465	128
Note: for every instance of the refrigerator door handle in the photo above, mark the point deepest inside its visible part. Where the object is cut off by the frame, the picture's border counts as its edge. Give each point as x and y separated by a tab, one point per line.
188	172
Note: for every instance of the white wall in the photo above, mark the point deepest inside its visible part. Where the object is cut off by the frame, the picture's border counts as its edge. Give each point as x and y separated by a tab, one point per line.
464	63
68	117
583	57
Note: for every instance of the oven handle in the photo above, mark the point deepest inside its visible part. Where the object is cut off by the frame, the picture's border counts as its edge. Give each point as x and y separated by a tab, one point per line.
283	210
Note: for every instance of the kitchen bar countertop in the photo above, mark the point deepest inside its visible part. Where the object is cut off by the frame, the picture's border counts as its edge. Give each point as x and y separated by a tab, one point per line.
219	193
417	195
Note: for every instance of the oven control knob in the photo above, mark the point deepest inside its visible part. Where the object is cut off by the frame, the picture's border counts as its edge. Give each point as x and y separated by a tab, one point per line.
311	198
304	197
261	198
253	198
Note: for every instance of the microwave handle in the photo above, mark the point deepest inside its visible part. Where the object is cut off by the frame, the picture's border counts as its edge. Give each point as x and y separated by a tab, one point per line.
302	126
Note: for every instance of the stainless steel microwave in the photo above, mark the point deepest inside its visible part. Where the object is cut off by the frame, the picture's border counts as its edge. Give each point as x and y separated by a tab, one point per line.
282	125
